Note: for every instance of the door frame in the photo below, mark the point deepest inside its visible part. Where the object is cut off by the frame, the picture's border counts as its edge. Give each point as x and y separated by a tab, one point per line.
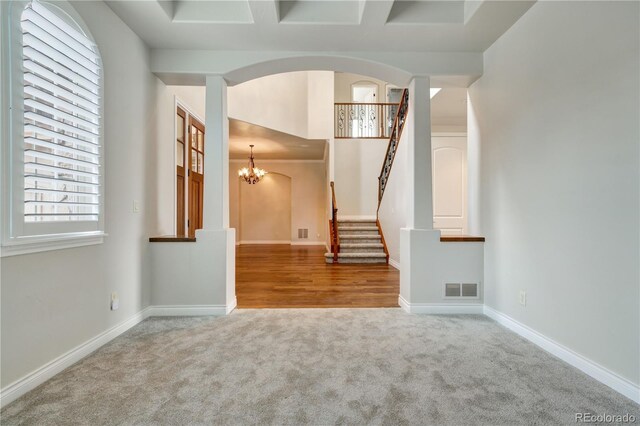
195	214
179	103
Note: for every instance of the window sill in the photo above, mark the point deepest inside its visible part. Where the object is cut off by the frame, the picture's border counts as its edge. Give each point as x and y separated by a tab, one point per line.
28	245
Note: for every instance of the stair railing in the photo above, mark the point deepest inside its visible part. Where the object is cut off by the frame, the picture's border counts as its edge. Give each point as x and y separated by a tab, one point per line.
392	147
356	120
333	225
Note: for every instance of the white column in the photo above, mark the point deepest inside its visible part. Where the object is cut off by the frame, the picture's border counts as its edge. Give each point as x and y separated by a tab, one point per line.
418	241
420	203
216	148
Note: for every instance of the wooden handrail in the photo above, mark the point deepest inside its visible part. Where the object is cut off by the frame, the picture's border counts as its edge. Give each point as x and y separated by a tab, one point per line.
394	140
333	224
384	243
334	204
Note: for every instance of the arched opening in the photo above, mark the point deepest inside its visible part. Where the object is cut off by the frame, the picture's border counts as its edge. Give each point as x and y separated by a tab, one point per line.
265	210
291	63
266	111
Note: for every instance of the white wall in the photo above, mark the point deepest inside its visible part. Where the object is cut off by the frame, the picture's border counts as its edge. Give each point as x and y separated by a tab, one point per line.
299	103
308	196
195	274
557	109
344	80
192	97
265	209
356	169
320	104
56	300
393	209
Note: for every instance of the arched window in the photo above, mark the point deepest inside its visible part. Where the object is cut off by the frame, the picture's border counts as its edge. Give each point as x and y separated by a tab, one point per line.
59	148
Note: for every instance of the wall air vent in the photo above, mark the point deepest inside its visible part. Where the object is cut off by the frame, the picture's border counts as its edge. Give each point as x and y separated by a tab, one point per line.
303	233
452	290
461	290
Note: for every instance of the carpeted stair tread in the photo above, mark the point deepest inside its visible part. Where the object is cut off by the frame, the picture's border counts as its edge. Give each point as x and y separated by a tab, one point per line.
358	255
360	242
357	228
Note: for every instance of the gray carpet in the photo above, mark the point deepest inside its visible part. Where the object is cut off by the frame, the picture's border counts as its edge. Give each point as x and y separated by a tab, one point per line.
317	366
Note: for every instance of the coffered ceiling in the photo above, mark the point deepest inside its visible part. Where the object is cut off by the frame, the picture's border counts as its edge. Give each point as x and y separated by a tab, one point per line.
321	25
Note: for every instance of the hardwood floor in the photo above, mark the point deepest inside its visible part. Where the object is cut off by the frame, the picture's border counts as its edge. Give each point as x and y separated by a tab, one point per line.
284	276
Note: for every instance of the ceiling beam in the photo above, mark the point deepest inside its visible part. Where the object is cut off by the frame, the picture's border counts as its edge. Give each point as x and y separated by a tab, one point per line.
175	66
375	12
265	11
168	6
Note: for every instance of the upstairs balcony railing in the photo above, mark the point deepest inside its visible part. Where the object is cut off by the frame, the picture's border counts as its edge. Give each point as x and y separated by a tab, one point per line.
364	120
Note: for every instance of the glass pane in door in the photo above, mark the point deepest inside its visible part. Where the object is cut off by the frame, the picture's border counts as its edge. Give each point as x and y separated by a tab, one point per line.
200	141
180	154
180	128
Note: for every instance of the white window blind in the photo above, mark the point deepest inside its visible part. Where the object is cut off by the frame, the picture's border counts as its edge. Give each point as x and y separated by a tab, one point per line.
61	120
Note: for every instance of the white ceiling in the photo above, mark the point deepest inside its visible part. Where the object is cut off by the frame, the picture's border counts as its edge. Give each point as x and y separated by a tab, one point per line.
449	108
321	25
270	144
376	26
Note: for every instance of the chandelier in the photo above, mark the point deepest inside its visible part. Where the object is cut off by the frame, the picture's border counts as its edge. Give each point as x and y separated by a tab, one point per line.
251	174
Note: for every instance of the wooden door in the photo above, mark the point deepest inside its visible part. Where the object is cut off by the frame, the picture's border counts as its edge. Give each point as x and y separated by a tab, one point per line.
449	160
181	136
196	175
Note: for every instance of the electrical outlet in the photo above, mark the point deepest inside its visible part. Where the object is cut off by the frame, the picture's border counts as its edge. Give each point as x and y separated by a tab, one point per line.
523	298
115	302
136	206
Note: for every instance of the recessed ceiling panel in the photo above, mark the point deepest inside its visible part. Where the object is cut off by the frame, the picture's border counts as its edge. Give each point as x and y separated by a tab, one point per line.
323	26
212	11
427	12
338	12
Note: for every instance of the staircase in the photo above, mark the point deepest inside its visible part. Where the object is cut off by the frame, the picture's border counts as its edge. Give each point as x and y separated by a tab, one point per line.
360	242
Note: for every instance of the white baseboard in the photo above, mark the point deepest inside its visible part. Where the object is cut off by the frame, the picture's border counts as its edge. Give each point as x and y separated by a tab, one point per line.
232	306
440	308
50	369
404	304
598	372
187	310
265	242
394	263
308	243
37	377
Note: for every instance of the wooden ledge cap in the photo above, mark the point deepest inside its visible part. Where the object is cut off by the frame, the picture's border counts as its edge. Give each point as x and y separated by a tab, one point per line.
172	239
461	239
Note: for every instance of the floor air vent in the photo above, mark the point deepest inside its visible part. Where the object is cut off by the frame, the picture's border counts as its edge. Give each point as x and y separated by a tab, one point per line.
469	290
303	233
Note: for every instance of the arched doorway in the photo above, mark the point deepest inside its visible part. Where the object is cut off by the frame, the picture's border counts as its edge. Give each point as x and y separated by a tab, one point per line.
265	211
